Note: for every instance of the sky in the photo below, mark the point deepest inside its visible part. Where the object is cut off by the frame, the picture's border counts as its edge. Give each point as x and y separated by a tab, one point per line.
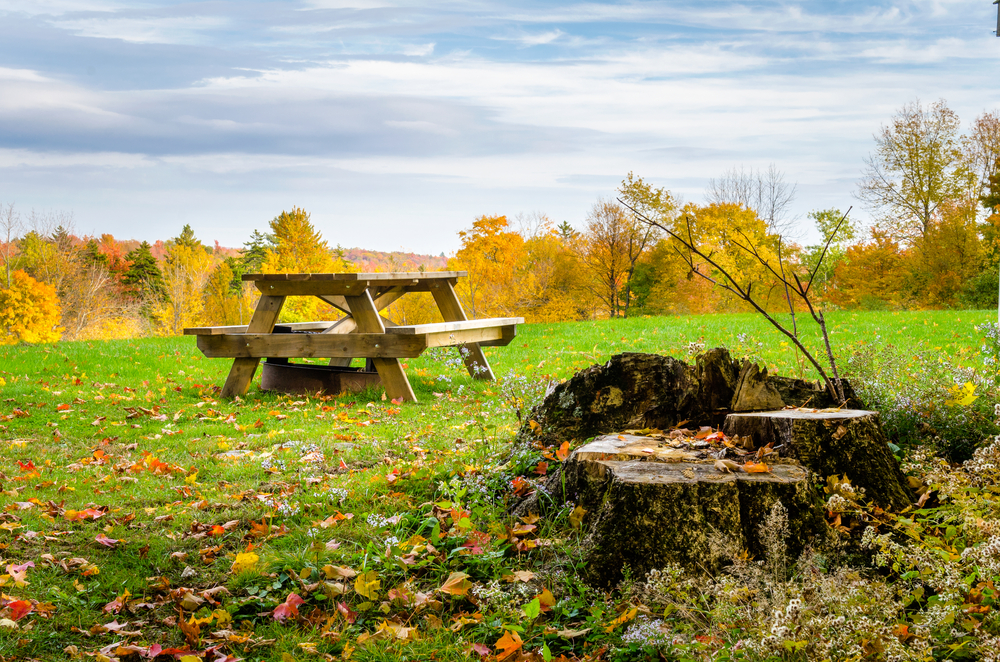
397	123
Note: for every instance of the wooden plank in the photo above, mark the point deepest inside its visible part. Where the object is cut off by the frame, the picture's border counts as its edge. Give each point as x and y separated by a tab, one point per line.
416	329
241	374
314	345
451	310
222	330
376	276
506	337
463	337
365	314
336	287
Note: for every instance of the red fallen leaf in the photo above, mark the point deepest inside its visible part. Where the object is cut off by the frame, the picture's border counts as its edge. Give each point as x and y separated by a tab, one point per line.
26	467
542	468
217	530
87	513
62	407
397	401
481	649
342	465
106	541
345	611
289	608
19	609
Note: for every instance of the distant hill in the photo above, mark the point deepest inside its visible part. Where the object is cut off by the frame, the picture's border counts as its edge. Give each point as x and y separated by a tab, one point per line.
367	260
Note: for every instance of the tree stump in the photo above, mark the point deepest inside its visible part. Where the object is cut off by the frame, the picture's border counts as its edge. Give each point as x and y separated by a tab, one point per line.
635	391
846	442
648	506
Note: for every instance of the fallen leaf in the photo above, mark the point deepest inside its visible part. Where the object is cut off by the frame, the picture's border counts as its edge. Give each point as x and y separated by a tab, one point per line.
457	584
508	644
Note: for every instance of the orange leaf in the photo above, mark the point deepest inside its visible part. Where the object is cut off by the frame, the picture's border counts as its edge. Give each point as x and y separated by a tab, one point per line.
563	451
509	644
756	468
546	600
457	584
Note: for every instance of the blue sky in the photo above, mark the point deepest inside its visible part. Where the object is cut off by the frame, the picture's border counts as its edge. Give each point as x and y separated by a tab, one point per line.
396	123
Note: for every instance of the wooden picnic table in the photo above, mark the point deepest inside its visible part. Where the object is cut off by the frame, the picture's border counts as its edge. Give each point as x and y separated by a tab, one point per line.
362	333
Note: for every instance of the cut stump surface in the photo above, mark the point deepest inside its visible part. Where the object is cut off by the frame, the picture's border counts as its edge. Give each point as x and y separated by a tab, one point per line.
649	509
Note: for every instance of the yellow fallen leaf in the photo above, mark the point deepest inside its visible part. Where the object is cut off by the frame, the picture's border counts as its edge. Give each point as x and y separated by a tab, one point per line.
244	561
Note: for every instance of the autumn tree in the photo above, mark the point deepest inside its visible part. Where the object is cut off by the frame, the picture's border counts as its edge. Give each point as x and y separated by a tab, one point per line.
609	234
917	166
491	252
186	268
298	247
641	199
830	251
763	191
29	311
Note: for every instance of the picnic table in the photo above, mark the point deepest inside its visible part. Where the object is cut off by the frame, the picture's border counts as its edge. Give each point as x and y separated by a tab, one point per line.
362	333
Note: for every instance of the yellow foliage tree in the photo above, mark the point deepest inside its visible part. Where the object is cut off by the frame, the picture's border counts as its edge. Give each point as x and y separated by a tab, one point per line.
186	268
29	311
491	253
300	248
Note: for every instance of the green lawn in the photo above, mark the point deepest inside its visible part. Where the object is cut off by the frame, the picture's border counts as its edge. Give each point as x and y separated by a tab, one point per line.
155	514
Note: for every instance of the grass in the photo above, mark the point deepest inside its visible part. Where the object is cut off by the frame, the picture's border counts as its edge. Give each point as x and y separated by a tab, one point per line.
136	493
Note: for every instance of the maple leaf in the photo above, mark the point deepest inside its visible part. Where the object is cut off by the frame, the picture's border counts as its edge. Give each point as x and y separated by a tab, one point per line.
289	608
482	650
106	541
367	585
457	584
546	600
19	609
563	451
508	644
244	561
756	468
345	611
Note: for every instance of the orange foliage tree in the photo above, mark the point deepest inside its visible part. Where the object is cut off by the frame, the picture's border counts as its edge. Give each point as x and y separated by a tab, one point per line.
29	311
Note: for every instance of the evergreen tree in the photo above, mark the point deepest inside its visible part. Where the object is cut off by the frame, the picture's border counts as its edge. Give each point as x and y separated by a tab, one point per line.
143	279
187	238
93	256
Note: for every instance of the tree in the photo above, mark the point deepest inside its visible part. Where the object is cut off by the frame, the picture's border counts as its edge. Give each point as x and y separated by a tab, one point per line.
872	275
609	235
185	270
835	245
10	226
490	253
916	167
297	246
143	280
649	202
982	150
765	192
29	311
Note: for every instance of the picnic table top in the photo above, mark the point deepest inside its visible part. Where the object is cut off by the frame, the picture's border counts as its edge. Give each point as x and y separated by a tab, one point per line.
386	275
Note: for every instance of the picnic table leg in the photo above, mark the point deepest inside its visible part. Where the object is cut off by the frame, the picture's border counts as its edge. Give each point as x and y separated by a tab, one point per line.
241	374
451	310
397	386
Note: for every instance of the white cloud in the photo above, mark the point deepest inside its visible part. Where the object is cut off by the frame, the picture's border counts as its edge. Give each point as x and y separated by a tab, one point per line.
145	30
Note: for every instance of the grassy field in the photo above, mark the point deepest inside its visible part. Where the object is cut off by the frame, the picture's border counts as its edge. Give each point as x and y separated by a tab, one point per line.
143	516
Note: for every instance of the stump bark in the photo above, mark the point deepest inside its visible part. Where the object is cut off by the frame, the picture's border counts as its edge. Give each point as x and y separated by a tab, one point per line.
647	509
635	391
840	442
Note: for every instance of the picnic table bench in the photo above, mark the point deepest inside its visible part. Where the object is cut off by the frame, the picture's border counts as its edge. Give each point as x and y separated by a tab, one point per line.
362	333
